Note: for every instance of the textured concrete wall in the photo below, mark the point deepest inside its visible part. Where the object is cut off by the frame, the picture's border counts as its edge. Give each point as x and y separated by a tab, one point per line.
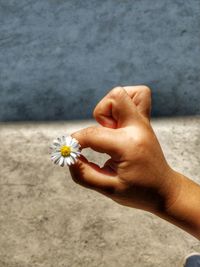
58	57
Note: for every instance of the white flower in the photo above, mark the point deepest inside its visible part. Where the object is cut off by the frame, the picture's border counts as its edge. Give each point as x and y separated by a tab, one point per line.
65	150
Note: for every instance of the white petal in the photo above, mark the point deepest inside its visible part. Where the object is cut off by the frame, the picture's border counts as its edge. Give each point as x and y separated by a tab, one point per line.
56	142
59	140
61	161
78	153
65	161
71	141
74	141
55	150
54	158
75	145
68	140
56	161
73	150
68	161
63	139
55	153
52	147
76	159
74	155
72	160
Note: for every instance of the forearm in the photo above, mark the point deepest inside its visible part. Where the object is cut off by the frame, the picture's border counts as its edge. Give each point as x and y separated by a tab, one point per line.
184	210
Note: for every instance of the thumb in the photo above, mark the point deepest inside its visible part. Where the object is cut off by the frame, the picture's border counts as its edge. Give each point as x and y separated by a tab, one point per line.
90	175
116	109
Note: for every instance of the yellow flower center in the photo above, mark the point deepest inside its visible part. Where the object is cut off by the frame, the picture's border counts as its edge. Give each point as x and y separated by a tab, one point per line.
65	151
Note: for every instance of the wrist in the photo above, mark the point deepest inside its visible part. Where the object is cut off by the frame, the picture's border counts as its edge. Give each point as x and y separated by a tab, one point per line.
168	190
182	203
173	187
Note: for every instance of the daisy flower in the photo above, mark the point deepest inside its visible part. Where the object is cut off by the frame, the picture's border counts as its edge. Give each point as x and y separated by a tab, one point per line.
65	150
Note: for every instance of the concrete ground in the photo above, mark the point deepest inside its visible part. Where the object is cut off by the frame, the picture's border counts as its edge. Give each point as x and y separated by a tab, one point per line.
46	220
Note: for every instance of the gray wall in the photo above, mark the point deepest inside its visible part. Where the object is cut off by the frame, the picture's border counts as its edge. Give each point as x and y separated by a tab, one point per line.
59	57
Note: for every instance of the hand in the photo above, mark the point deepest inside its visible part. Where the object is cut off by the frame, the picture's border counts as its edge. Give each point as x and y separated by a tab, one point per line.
137	174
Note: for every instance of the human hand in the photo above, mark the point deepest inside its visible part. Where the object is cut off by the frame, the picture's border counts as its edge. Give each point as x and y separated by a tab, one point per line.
137	174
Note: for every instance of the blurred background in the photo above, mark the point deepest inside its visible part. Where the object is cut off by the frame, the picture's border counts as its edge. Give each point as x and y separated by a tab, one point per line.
58	58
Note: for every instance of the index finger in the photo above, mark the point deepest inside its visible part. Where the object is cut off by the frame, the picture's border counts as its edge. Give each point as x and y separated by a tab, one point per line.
141	97
100	139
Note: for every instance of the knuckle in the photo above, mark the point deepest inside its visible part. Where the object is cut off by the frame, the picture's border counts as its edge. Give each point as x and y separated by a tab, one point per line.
96	111
141	140
91	131
141	143
117	92
137	144
141	148
146	90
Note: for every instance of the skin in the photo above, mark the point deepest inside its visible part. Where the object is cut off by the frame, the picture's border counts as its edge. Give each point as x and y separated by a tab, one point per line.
137	174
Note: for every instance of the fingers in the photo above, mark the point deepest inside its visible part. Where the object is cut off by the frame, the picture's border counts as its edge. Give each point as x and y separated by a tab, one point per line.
100	139
141	97
112	104
92	176
116	109
110	165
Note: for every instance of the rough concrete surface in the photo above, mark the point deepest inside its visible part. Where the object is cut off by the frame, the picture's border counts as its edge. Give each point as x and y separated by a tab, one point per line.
56	54
46	220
